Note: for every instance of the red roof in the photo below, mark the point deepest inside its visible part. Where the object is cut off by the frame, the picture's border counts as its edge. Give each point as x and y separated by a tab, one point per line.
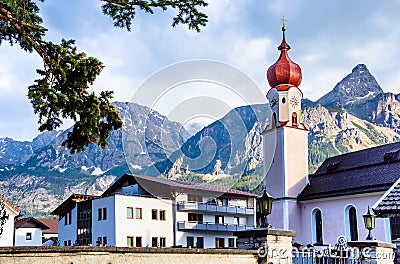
10	204
284	71
52	224
30	222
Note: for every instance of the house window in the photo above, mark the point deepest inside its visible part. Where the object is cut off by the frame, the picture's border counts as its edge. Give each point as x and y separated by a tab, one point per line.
219	219
101	241
154	241
351	223
138	213
223	202
317	227
28	236
102	214
219	242
200	242
163	241
395	227
129	241
84	223
154	214
195	218
190	241
195	198
162	215
129	212
68	219
138	241
231	242
236	220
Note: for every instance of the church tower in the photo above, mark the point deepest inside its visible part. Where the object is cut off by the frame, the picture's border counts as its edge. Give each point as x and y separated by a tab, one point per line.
285	141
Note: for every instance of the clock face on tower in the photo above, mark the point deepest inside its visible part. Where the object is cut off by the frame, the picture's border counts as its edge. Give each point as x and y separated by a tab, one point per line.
273	102
294	101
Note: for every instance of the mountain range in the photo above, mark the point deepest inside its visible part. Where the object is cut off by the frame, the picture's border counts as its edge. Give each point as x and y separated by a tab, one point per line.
38	175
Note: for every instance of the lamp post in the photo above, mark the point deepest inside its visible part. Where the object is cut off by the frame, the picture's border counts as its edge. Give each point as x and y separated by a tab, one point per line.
264	205
369	222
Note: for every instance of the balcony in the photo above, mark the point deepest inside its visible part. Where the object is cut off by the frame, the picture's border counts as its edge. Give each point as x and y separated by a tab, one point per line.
206	207
190	226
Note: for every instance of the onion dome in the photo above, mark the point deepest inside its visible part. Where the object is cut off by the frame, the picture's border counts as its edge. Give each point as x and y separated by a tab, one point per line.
284	71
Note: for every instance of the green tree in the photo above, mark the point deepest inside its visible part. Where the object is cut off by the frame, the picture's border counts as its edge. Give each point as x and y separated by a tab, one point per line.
62	89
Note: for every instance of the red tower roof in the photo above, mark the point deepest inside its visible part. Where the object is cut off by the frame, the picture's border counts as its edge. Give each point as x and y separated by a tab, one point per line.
284	71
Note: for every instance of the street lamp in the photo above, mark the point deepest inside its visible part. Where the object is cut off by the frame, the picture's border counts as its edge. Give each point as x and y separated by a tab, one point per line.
369	222
264	204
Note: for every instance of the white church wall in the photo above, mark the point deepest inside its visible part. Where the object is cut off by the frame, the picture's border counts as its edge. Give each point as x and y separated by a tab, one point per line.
334	219
296	160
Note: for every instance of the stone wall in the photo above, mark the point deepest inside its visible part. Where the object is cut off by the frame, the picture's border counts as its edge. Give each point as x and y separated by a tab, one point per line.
272	245
117	255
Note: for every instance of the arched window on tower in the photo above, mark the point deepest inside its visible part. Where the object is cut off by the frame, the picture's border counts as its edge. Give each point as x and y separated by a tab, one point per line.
351	223
274	120
294	119
317	227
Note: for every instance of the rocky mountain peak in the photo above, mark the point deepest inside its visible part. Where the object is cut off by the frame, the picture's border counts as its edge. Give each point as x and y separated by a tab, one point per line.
357	87
359	69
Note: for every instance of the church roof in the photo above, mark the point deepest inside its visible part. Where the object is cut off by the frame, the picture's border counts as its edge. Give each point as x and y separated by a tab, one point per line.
284	70
390	202
365	171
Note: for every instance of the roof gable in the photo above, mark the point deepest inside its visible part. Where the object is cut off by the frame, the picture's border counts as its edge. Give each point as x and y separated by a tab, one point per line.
29	222
390	202
69	204
12	207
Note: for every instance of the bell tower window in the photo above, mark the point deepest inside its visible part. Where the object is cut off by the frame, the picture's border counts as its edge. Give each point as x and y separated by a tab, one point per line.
294	119
274	120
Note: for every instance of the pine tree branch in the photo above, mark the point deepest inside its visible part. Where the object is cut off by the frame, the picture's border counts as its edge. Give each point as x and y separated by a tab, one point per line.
6	15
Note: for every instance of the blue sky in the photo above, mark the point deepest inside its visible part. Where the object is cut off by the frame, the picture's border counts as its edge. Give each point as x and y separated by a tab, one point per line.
328	38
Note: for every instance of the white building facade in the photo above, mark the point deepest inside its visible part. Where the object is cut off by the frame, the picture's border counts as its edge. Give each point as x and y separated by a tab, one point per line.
208	222
142	211
28	232
8	212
